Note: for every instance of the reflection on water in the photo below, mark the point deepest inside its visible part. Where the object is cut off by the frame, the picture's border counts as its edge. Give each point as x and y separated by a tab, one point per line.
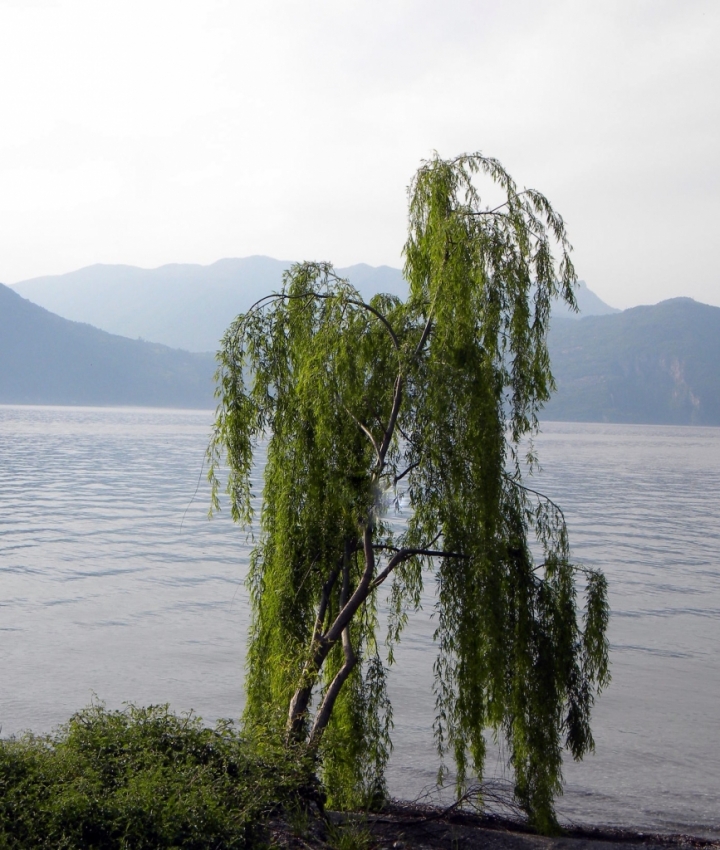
114	583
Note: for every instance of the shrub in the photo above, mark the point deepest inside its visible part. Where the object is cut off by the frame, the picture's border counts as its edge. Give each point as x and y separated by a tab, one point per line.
142	778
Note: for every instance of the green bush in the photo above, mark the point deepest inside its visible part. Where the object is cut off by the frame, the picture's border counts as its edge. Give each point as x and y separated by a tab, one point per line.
142	778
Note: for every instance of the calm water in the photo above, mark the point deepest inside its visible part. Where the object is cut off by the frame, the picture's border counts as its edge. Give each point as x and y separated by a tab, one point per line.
114	583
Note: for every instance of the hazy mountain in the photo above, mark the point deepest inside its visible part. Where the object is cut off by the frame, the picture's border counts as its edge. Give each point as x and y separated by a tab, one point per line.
190	306
658	364
184	306
45	359
589	304
648	364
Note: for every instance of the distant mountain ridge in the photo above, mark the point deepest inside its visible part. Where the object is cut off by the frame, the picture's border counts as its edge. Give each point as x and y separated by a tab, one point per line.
180	305
190	306
588	302
658	364
45	359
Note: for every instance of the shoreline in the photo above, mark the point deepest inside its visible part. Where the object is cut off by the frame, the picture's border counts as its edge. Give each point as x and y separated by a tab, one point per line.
403	825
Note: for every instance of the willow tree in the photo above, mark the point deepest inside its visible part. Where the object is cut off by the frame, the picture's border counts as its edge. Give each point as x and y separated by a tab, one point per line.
434	398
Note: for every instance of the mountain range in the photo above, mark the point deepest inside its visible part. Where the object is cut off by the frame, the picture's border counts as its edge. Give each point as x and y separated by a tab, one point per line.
655	364
190	306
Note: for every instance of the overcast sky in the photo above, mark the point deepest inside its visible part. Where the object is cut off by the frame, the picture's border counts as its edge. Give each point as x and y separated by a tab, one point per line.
189	130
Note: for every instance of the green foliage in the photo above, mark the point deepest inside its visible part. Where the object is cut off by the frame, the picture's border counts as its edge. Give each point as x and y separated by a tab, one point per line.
438	393
350	834
140	778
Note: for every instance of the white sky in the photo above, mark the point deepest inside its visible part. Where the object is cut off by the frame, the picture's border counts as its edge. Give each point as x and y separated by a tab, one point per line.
189	130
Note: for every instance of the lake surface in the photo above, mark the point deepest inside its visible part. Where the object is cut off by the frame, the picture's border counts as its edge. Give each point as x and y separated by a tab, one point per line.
115	584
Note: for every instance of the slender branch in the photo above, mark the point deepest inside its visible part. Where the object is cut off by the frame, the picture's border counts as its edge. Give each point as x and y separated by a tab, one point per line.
359	596
390	548
378	314
403	474
370	308
397	401
256	305
433	553
405	436
499	206
320	648
428	324
587	571
345	590
538	494
357	303
307	573
434	540
365	431
403	555
424	335
324	602
301	699
577	568
321	295
322	716
397	397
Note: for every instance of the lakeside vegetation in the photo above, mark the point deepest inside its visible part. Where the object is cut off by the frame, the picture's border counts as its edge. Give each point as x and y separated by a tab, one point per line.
145	778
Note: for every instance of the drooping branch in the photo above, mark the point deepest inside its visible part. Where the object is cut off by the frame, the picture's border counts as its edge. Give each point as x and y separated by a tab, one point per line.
340	630
494	210
286	296
538	494
355	302
423	336
320	648
324	602
379	315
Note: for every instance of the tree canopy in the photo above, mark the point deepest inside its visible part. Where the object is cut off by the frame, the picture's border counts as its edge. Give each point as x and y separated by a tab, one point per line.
434	398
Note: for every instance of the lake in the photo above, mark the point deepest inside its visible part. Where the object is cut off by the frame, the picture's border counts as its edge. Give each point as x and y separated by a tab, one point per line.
115	585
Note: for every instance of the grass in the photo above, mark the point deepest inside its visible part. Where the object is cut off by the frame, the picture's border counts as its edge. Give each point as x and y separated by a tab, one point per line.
143	778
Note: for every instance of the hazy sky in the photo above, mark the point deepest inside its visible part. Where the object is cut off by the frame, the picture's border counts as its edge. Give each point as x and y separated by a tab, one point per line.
189	130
